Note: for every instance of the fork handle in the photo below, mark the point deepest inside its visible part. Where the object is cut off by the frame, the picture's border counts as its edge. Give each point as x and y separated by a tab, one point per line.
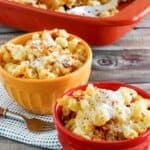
1	111
8	114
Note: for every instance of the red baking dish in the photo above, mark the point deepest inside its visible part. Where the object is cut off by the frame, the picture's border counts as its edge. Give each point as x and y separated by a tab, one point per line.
96	31
72	141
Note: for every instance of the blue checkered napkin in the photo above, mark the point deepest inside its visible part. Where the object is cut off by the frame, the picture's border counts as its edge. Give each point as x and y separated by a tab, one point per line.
16	130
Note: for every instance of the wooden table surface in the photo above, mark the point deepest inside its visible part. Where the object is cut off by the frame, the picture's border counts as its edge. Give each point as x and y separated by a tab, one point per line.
126	60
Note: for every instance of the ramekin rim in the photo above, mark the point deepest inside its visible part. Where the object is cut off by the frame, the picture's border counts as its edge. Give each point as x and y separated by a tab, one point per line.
82	139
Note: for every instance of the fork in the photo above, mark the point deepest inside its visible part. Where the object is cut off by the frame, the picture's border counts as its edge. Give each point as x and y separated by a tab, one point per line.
34	125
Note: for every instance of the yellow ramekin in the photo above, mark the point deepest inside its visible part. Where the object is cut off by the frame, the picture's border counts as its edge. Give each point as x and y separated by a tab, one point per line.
39	95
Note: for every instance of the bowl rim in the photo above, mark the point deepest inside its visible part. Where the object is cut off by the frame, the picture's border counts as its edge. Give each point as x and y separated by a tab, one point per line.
59	125
88	51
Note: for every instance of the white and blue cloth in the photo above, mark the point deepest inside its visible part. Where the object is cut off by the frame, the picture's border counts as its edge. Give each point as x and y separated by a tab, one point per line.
17	130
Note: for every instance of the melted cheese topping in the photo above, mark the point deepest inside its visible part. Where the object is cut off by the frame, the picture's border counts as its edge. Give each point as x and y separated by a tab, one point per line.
64	5
101	114
47	55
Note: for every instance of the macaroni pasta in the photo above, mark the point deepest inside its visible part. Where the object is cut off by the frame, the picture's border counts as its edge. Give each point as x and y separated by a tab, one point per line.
64	5
45	56
100	114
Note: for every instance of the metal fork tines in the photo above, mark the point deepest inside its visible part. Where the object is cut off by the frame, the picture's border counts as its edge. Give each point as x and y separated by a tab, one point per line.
34	125
39	125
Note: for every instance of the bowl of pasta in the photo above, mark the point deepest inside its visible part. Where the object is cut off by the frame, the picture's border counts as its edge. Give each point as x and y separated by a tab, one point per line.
37	68
99	22
104	115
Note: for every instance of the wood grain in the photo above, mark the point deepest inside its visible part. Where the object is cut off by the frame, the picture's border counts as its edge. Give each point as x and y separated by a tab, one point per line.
124	65
128	60
6	144
136	39
145	22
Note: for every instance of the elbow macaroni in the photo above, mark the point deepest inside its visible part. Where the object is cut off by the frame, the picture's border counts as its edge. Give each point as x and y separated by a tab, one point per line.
64	5
101	114
47	55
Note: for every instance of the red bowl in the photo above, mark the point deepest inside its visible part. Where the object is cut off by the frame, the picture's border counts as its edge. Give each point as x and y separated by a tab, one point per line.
71	141
96	31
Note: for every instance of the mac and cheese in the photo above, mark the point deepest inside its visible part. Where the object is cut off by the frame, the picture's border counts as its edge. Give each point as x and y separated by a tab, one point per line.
65	5
100	114
46	55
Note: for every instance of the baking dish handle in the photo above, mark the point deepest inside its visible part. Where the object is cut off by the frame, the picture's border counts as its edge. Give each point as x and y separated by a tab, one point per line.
131	14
